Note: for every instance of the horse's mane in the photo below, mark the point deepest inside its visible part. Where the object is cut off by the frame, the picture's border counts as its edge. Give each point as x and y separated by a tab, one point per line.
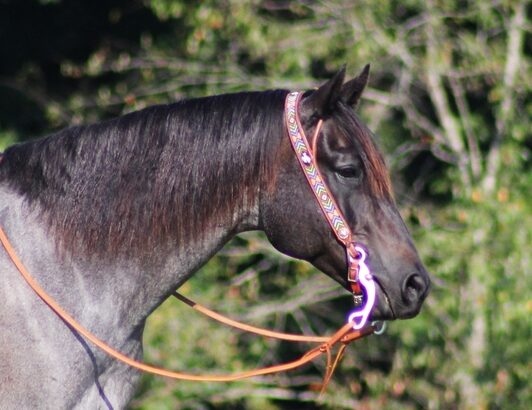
165	172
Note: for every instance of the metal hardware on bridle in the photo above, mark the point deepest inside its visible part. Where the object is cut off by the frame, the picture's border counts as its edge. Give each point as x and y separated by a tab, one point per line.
358	274
379	326
360	317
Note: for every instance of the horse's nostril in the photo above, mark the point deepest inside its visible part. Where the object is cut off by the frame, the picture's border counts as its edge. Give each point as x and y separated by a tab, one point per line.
414	288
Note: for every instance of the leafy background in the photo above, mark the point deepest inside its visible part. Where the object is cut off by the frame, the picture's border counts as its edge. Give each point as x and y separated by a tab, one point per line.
449	101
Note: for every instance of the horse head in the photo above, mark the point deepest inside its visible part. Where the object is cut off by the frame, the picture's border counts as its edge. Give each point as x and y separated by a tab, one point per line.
357	177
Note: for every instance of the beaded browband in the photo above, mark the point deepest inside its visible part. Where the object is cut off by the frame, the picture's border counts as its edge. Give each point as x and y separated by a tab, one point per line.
358	274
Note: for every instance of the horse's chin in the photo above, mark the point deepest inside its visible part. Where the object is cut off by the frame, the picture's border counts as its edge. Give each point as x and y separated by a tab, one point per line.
383	308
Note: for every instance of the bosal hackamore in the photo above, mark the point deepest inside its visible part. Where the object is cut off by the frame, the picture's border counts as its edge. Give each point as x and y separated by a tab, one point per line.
358	274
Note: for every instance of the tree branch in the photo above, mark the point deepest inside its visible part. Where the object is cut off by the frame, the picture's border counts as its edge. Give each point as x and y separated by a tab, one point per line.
439	98
513	61
465	116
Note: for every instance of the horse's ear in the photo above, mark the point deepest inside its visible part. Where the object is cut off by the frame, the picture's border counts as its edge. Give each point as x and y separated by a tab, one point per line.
352	90
323	100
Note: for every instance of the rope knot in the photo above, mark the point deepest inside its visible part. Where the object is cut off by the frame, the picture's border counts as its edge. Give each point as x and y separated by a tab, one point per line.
326	347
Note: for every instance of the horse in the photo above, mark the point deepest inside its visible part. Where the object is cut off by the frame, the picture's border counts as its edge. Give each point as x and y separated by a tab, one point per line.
111	218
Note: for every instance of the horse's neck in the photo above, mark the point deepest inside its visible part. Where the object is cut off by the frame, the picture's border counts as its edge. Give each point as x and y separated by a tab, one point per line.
111	297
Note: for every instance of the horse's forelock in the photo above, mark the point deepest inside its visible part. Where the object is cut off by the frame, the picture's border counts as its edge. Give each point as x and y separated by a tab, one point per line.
352	128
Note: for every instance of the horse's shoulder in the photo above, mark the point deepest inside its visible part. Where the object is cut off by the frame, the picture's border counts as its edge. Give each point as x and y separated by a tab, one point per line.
12	205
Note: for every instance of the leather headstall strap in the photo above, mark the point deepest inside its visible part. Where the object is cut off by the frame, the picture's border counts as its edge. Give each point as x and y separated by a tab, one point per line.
355	255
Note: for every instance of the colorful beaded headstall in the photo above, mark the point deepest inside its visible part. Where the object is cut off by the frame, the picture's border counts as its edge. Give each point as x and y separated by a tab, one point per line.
358	274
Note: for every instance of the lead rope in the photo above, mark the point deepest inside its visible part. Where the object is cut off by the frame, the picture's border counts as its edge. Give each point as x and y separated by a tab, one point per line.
248	328
345	335
325	347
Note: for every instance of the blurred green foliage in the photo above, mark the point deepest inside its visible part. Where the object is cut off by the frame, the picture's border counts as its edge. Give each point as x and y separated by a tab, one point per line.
449	101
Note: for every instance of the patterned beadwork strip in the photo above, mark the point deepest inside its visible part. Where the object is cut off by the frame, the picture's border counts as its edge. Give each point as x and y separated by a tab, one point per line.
358	274
306	159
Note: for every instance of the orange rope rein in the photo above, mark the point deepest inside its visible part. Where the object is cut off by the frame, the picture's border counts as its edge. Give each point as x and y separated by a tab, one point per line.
248	328
344	335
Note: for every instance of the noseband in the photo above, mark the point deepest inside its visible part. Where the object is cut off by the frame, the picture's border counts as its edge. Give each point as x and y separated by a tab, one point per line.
358	275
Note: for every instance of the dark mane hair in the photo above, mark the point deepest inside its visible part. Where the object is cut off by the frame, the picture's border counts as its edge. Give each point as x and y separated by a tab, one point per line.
165	172
119	185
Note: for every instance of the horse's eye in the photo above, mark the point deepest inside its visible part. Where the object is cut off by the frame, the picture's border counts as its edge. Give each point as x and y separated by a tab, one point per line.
348	172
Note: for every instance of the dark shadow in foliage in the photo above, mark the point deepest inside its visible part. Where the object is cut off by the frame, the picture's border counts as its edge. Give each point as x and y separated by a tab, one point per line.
36	38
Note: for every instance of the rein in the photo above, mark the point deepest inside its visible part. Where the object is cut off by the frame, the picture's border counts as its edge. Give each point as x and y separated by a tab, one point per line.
345	335
358	276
